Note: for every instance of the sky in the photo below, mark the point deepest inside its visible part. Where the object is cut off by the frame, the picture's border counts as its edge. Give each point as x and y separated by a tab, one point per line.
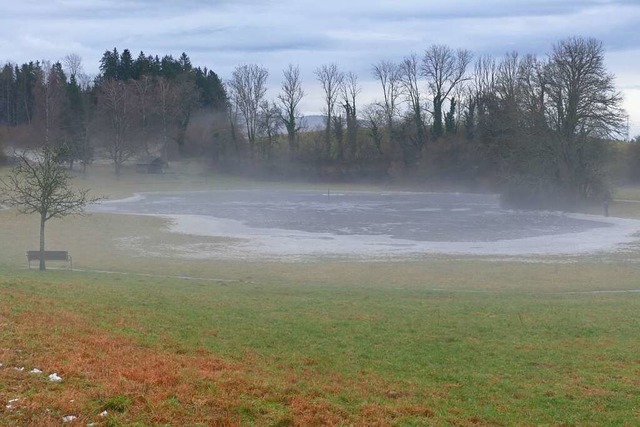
354	34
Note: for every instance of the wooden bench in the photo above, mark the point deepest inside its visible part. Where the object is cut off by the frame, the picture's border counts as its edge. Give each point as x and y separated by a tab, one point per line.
50	256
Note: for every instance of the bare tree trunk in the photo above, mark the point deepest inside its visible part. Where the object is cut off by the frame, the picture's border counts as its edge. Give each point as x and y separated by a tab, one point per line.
43	219
42	186
390	77
331	80
289	99
445	70
248	87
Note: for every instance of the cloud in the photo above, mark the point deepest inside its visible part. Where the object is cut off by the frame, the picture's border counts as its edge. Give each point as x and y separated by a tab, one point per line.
222	34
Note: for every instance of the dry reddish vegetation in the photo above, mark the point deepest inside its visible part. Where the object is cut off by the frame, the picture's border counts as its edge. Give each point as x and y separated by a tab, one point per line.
161	385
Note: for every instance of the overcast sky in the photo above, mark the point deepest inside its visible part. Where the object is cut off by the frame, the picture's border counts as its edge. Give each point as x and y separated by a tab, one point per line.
222	34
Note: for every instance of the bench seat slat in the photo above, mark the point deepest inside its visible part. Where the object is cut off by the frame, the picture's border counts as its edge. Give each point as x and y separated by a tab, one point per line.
50	256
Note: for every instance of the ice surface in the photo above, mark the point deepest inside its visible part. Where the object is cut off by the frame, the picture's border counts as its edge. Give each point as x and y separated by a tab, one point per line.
380	225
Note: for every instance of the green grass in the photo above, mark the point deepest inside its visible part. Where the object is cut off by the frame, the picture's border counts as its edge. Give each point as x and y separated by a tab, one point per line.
437	341
528	356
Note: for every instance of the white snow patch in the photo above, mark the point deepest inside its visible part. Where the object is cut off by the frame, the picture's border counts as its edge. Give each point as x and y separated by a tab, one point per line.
278	243
104	414
135	198
105	204
68	418
19	368
35	371
55	377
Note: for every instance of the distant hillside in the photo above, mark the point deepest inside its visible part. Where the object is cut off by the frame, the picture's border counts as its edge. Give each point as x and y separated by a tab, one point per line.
318	122
313	122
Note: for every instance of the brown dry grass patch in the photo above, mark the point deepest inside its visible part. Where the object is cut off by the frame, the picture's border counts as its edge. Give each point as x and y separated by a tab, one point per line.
164	386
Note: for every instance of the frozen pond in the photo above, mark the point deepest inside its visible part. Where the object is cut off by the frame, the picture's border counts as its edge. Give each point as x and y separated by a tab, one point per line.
373	224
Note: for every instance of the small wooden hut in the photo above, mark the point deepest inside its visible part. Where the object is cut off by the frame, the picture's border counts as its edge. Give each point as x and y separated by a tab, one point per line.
151	164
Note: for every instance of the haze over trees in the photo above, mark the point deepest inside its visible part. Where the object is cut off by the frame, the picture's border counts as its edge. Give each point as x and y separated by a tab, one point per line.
152	101
541	130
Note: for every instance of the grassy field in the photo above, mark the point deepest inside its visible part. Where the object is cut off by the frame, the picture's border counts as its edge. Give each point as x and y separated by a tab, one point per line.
439	341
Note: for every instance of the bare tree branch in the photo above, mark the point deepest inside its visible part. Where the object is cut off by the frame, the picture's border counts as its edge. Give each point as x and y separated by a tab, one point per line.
43	186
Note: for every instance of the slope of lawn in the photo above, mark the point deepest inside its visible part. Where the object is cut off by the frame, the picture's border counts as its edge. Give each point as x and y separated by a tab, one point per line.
437	341
319	352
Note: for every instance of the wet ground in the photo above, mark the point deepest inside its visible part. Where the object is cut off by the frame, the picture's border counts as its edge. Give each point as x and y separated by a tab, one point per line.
288	221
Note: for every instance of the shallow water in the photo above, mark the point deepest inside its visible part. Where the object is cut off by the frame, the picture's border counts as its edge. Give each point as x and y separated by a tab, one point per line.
420	217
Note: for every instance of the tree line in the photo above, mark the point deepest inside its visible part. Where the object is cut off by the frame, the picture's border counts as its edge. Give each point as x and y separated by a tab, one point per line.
133	106
540	129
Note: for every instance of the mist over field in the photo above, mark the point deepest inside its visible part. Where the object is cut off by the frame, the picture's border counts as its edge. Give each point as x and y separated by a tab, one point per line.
319	214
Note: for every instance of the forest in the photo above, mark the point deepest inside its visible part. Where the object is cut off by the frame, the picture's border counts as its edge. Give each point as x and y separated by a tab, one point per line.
542	131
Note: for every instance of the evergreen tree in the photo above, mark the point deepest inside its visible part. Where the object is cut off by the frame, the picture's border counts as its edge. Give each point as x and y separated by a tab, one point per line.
126	68
169	67
26	77
185	63
212	92
74	143
141	66
110	65
7	95
450	118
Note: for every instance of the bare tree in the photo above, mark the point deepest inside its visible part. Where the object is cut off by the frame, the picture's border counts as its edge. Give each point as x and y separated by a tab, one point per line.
290	96
76	116
444	69
330	78
187	99
533	87
73	64
177	99
43	186
375	119
484	76
350	91
584	100
583	104
508	79
409	74
481	83
166	104
249	88
144	96
49	100
115	105
269	124
389	76
233	114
